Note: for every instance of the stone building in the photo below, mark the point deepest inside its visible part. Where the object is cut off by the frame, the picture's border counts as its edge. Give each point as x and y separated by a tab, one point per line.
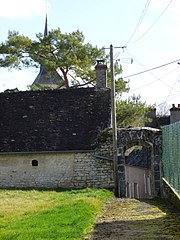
48	138
175	113
55	139
160	121
60	139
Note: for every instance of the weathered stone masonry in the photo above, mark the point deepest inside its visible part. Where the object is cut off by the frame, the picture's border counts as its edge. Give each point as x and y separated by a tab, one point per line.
128	137
48	139
57	130
55	170
92	172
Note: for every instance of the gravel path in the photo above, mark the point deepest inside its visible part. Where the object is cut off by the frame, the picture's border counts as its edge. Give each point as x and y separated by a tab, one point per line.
134	219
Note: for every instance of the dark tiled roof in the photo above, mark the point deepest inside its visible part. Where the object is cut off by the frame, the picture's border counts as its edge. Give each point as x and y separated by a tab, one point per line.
44	78
48	79
53	120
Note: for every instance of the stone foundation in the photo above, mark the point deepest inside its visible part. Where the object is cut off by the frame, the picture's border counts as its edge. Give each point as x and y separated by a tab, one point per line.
55	170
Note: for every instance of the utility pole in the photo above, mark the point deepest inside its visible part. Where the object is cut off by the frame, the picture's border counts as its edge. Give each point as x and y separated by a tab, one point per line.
114	127
117	185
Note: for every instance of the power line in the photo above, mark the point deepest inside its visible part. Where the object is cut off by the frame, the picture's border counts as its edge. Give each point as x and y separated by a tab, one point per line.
153	23
172	88
140	20
151	69
173	97
157	79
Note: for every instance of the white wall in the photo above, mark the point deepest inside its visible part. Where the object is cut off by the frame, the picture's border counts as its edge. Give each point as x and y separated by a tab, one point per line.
138	182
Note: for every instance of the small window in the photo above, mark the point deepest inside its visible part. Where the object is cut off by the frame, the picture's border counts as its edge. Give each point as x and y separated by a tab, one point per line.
34	163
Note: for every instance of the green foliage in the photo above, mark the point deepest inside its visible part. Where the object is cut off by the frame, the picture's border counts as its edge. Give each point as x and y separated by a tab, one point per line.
120	84
38	87
74	59
66	52
14	51
49	214
130	112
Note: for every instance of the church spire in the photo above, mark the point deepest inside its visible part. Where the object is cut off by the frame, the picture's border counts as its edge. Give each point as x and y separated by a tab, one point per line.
52	80
46	27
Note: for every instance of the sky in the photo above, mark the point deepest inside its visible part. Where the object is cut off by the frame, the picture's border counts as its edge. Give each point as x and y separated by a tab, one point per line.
148	28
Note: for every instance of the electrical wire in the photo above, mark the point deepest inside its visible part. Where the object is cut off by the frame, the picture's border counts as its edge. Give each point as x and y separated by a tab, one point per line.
153	23
157	79
164	97
172	87
167	98
173	97
140	20
151	69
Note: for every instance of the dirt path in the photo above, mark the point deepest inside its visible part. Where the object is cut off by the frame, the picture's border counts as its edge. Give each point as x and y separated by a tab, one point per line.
133	219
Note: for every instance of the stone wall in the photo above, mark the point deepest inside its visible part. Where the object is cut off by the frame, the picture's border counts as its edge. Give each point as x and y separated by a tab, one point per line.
54	170
78	169
128	137
47	137
92	172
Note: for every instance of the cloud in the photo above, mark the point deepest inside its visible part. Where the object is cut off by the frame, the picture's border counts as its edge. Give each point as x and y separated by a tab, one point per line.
21	8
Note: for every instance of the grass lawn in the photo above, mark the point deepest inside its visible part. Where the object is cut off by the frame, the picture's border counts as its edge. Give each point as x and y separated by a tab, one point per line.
37	215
